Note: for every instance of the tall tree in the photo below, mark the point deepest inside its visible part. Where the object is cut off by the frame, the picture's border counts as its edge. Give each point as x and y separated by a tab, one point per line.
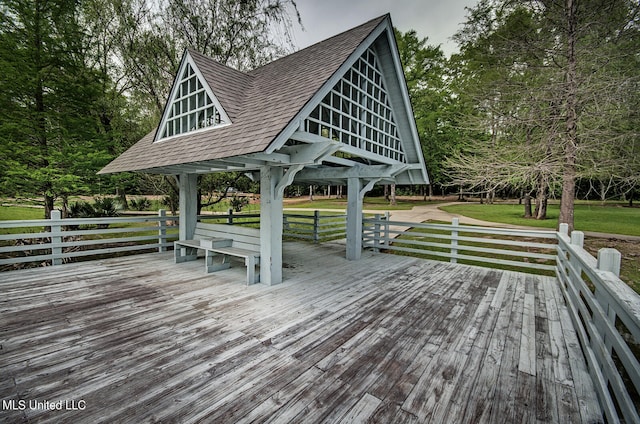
531	65
425	69
47	123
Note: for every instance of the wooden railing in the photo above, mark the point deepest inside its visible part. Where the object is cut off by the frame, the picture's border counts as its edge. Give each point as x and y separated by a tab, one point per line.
499	247
606	314
316	228
55	241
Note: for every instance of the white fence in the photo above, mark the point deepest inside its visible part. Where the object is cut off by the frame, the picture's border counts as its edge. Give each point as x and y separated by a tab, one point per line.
606	314
56	240
519	249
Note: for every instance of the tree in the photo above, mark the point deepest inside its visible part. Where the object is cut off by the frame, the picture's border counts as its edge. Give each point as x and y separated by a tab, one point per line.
425	70
48	125
150	37
530	66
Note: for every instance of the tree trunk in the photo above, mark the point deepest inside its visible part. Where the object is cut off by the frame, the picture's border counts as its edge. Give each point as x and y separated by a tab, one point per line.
48	205
122	196
527	206
571	135
311	193
541	198
392	195
430	192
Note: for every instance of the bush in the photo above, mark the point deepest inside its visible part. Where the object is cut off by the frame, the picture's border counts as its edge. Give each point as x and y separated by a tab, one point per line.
105	207
140	204
81	209
102	207
237	203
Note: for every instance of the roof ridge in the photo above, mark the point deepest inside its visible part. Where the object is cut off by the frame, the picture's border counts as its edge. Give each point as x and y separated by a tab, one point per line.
379	19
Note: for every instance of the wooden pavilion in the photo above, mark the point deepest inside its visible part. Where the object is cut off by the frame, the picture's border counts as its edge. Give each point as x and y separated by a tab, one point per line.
337	112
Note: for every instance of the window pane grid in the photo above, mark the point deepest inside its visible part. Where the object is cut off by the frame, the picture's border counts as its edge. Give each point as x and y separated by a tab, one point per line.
191	108
357	111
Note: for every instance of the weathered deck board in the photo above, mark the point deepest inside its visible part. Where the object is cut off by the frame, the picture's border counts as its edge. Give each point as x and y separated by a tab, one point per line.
385	339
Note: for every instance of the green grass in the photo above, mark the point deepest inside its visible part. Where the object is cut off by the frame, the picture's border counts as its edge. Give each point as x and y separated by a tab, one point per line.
588	217
10	213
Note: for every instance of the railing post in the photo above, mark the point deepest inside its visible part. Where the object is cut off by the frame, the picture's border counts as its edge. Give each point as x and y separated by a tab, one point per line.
56	238
230	216
316	226
608	260
564	229
454	240
162	230
387	218
577	239
376	232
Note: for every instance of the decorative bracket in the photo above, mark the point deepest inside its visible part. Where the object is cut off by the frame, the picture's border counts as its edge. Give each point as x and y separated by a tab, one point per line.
287	179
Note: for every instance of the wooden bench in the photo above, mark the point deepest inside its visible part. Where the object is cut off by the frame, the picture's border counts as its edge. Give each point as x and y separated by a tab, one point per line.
225	240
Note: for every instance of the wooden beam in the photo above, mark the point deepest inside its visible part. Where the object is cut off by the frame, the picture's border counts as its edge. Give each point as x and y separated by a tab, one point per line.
307	137
368	172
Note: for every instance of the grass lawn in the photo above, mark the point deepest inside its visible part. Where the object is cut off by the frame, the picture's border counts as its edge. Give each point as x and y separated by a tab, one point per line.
613	219
10	213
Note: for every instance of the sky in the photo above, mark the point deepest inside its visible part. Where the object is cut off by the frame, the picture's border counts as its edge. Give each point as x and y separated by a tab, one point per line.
436	20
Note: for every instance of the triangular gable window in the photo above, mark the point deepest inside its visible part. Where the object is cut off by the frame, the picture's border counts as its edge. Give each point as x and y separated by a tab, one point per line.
357	111
193	106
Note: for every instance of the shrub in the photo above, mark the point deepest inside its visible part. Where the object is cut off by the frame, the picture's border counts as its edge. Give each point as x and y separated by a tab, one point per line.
140	204
237	203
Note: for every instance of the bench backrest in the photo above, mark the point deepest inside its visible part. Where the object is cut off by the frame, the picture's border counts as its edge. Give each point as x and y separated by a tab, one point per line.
243	237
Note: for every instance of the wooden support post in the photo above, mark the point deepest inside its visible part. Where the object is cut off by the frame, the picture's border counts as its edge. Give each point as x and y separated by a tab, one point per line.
609	260
454	240
316	226
577	239
376	232
387	218
270	225
56	238
354	219
162	231
188	205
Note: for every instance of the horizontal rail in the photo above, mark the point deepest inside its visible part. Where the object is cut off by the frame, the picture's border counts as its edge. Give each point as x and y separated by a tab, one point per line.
602	309
56	241
513	248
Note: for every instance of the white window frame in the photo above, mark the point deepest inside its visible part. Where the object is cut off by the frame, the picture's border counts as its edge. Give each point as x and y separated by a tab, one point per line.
203	110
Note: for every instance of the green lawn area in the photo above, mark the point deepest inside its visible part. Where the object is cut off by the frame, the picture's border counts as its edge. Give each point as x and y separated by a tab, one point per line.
10	213
614	219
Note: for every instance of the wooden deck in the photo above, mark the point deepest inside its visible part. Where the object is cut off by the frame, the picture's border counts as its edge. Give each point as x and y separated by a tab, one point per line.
387	339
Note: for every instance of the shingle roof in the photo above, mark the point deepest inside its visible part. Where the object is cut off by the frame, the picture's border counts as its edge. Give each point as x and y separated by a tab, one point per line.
260	104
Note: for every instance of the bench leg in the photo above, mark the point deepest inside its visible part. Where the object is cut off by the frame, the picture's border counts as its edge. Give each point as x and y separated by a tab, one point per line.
209	266
184	254
252	276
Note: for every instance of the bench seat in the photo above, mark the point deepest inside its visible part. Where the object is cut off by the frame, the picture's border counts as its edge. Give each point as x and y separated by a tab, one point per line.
225	240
